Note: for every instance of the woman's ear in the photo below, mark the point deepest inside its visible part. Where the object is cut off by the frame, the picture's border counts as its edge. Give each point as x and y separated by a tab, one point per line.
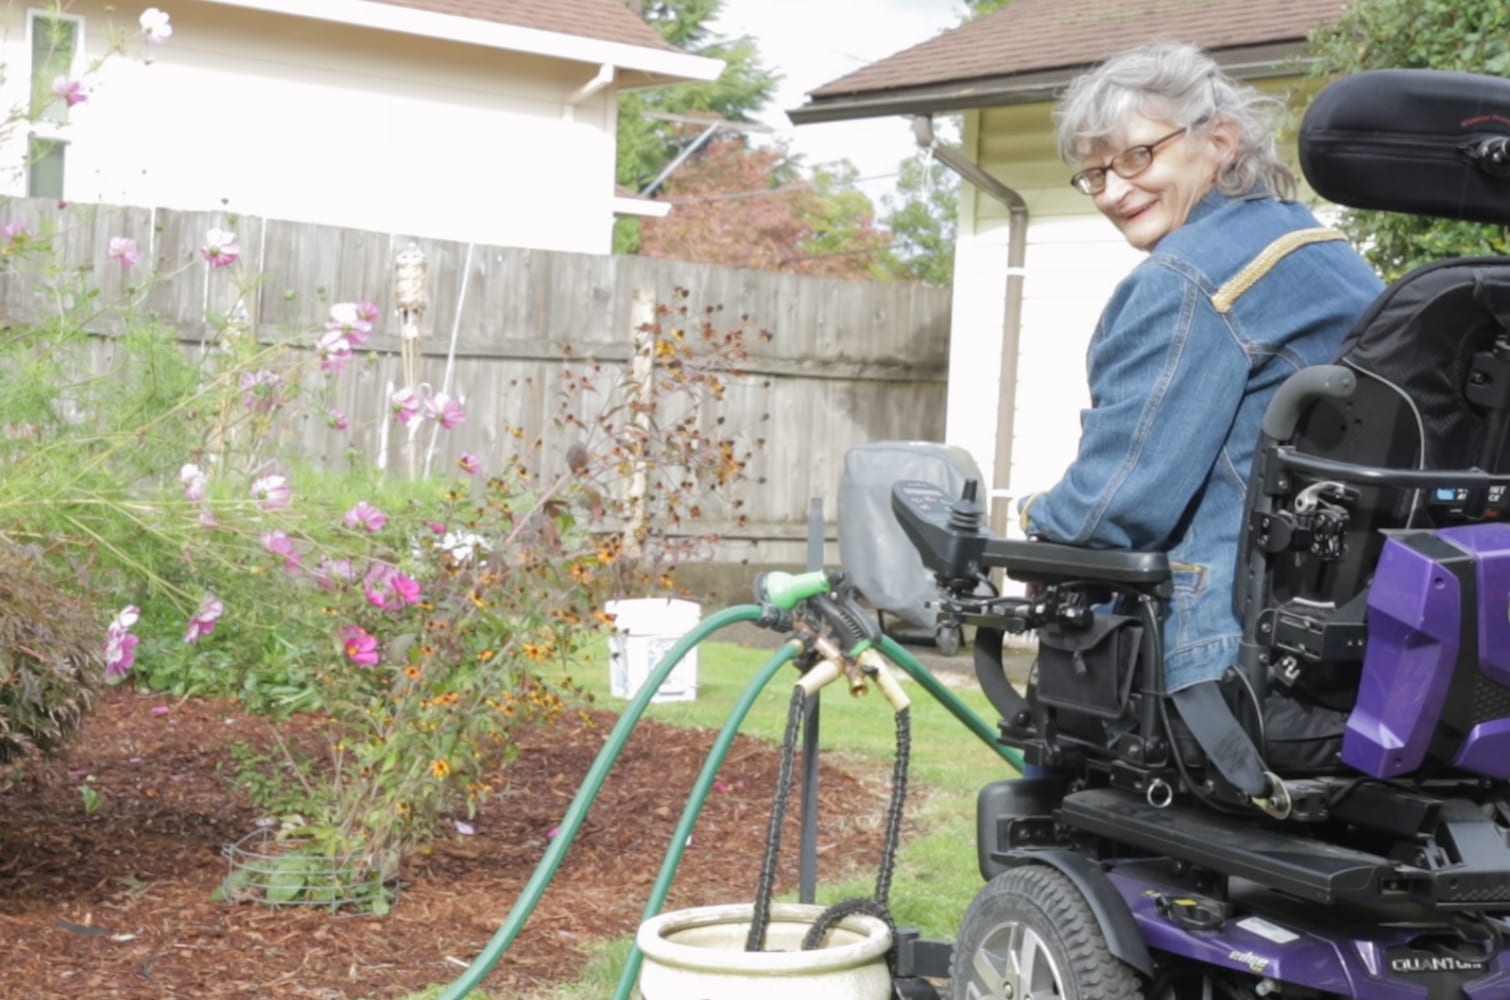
1224	136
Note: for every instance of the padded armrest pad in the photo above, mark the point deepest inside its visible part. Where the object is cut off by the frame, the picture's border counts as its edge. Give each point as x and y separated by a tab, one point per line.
1051	562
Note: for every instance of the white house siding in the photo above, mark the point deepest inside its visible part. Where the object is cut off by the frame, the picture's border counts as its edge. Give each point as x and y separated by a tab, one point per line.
298	119
1074	259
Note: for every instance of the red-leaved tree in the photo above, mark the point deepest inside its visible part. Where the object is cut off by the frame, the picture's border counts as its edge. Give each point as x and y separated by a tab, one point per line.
747	207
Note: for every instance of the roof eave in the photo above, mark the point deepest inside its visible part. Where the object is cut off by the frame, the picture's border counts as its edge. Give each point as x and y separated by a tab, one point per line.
653	66
1248	62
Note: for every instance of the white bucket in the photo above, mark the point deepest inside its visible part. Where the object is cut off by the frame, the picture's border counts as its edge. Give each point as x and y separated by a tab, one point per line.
699	954
644	630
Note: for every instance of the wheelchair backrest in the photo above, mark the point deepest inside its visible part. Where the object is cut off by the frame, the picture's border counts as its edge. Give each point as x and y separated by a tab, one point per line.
1427	568
1422	353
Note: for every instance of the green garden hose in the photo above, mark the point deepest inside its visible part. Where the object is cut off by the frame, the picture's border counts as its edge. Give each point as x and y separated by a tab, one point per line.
941	694
694	807
577	811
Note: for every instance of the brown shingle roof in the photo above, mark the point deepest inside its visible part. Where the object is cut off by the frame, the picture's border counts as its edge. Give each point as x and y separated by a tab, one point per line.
607	20
1038	35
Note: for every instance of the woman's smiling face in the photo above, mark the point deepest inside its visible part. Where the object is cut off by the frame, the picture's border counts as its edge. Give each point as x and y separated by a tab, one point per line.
1157	200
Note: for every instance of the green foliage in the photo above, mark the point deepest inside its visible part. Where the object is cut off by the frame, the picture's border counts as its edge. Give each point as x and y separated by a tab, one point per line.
49	659
645	144
1464	35
922	219
975	9
840	222
427	621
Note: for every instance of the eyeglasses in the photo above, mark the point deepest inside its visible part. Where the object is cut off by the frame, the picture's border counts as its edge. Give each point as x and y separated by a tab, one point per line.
1129	163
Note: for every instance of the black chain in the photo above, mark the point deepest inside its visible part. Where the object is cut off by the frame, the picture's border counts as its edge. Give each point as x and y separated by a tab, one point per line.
877	906
760	920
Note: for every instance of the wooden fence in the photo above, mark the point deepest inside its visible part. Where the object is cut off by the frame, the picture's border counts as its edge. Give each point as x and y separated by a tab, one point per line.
845	362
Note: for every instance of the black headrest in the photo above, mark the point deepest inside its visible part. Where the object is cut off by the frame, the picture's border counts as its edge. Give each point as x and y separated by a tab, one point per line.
1422	141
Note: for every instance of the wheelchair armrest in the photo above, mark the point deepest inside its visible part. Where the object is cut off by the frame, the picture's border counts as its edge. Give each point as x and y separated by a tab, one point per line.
1053	562
949	537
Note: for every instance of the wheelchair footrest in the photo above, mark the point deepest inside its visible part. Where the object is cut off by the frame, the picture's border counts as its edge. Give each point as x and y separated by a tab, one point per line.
1288	861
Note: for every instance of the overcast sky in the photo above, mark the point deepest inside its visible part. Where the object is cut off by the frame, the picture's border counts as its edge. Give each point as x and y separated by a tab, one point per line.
811	42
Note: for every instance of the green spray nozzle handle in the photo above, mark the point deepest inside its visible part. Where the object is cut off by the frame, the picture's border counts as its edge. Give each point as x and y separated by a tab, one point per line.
787	590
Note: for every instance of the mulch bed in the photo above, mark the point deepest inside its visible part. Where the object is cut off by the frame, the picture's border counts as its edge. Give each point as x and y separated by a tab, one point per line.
117	903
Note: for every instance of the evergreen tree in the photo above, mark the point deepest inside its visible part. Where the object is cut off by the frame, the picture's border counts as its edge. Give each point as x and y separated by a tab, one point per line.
646	145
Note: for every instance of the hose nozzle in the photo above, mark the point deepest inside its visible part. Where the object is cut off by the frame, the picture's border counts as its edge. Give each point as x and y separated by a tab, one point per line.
874	665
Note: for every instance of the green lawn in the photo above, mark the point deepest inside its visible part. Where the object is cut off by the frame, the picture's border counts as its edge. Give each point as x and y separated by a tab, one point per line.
936	874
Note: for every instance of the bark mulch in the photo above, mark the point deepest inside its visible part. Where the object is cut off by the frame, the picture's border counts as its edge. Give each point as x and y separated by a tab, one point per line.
118	903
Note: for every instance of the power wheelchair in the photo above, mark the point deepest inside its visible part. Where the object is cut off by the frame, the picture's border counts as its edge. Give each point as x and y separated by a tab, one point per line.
1374	676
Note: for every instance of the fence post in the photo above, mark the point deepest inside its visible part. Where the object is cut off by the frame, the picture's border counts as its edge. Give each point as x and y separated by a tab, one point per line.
642	377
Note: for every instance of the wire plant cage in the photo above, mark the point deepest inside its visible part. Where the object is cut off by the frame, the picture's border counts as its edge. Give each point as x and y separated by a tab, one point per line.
275	870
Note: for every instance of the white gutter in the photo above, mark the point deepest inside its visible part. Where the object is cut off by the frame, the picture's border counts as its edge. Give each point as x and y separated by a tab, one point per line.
676	66
601	79
646	208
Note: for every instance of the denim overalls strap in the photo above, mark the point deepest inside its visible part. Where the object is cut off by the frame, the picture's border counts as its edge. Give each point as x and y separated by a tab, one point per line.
1226	296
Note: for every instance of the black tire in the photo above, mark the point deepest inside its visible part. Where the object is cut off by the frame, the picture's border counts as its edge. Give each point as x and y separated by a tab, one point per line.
948	640
1031	921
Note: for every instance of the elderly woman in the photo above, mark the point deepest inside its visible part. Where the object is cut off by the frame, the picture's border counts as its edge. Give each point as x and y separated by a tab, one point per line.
1241	287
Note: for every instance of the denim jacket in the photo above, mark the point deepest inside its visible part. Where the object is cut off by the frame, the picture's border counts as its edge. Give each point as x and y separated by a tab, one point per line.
1186	356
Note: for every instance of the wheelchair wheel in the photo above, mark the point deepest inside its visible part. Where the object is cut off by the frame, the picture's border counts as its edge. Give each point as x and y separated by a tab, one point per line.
1029	933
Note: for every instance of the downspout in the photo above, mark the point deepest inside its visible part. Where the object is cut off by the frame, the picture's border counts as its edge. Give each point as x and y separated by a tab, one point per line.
602	78
1017	248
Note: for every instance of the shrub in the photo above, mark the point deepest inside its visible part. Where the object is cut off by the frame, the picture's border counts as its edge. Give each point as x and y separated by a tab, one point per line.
49	660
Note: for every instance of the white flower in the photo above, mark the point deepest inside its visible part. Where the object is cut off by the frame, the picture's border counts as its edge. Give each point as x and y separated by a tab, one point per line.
461	546
155	26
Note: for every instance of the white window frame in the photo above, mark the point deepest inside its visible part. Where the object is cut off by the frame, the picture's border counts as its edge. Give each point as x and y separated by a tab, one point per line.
43	129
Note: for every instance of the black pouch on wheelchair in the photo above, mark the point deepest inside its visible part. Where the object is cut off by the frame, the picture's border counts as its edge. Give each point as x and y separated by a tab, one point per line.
1412	140
1089	670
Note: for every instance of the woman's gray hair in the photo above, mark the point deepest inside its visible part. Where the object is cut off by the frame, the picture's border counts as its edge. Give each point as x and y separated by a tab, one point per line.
1181	84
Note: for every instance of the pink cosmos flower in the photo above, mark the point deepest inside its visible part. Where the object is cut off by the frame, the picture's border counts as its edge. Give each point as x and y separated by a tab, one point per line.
272	492
468	463
346	319
156	26
120	644
71	91
194	481
337	420
444	410
330	571
220	248
365	516
367	311
120	654
13	231
278	543
202	622
404	404
376	596
405	586
360	645
125	250
262	391
335	351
